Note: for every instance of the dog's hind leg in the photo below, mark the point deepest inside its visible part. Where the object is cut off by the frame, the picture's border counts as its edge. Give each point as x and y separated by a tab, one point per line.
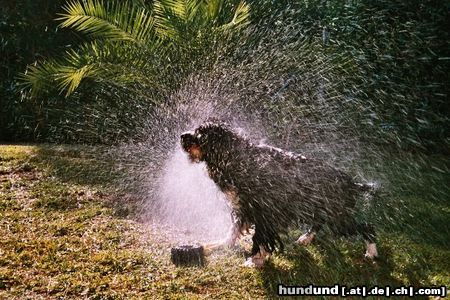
371	250
367	231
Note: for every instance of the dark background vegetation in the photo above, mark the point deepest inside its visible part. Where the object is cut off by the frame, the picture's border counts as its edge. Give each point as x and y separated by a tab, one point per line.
28	33
402	48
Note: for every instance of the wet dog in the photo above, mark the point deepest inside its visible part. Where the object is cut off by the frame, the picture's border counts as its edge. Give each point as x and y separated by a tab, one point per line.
274	190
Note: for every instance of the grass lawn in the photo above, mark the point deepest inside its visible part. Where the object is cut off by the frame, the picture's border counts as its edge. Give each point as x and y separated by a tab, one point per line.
65	234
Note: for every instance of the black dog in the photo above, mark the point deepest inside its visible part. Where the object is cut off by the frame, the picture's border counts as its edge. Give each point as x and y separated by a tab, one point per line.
274	189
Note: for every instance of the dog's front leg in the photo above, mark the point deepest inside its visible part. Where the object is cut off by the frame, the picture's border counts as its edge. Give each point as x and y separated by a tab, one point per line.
228	242
259	253
258	260
238	226
236	230
233	234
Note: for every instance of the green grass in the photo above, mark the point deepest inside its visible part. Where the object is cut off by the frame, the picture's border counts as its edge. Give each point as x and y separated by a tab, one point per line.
63	236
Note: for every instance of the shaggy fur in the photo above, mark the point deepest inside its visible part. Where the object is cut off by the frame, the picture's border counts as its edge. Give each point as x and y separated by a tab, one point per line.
274	189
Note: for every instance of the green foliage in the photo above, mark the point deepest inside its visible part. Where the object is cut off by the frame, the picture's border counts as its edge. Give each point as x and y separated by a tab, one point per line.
111	20
27	33
398	63
116	57
401	49
184	21
126	33
103	61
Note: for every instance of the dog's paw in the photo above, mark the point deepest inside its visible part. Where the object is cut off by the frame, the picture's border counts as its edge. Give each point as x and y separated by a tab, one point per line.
371	251
306	239
254	262
213	246
258	260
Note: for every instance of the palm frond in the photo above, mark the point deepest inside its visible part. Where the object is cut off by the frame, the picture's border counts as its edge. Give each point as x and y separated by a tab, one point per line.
148	58
112	20
212	9
171	17
39	78
241	17
110	60
65	74
183	19
182	9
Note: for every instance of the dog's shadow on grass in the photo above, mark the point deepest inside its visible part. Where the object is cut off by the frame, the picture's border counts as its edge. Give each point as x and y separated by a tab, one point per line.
327	263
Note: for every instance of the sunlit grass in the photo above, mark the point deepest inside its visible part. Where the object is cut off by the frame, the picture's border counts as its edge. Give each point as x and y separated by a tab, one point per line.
62	237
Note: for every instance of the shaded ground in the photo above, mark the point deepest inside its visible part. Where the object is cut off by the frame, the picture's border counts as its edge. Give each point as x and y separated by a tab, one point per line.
63	234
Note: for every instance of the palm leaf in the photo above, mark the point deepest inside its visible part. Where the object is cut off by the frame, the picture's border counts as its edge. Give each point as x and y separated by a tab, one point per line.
65	74
171	17
184	19
110	61
212	9
241	17
39	77
185	23
182	9
112	20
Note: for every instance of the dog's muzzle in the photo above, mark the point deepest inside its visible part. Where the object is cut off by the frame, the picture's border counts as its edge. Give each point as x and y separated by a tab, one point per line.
190	144
188	140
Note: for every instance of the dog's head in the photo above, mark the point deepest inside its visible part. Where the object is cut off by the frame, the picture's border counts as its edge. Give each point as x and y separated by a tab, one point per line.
190	143
207	139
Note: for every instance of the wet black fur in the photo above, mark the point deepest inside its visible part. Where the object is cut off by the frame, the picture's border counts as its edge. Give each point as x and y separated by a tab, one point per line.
277	189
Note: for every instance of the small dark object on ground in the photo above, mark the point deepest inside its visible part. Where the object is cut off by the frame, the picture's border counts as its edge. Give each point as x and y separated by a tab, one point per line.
187	255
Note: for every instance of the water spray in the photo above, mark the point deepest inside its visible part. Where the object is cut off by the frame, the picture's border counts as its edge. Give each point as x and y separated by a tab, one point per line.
277	87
